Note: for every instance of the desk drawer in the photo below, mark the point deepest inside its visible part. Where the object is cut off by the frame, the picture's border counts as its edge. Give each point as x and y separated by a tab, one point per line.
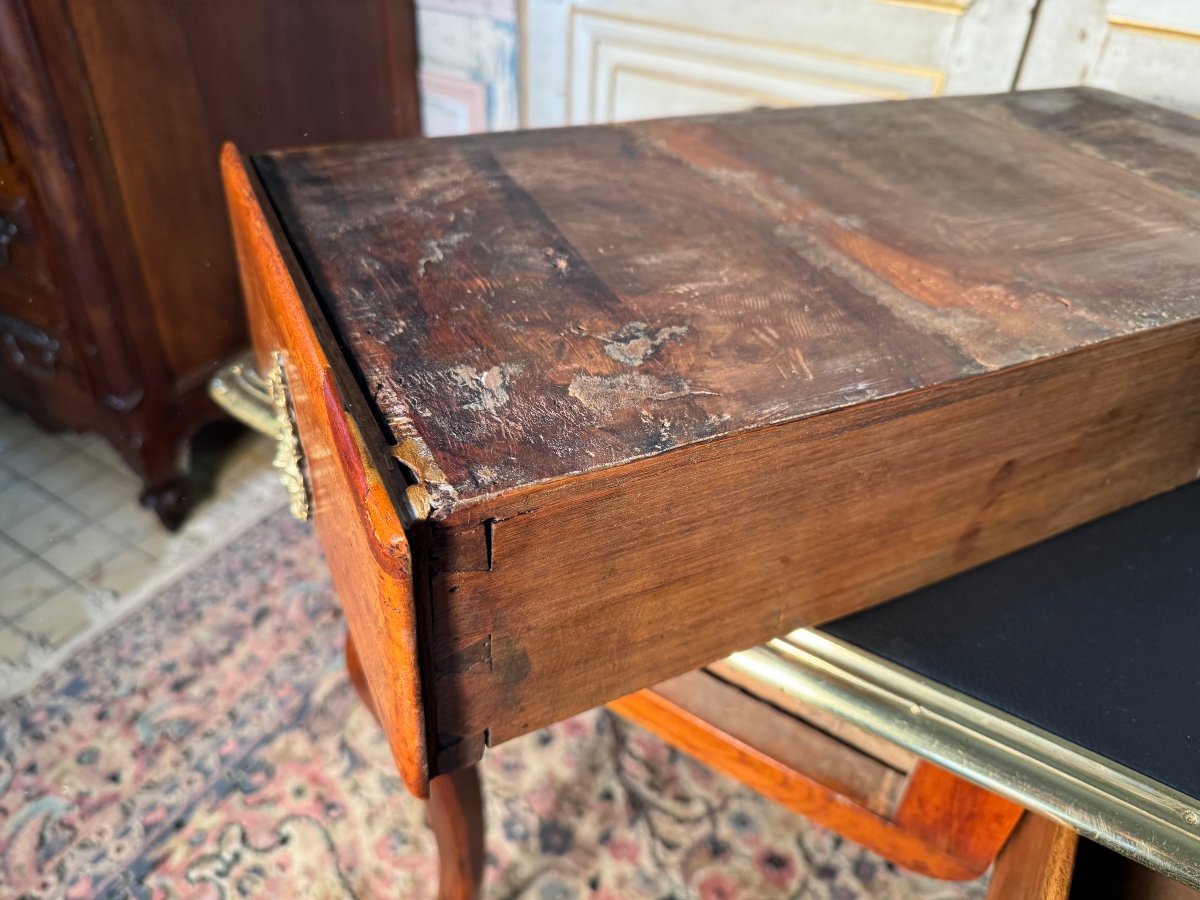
334	476
915	814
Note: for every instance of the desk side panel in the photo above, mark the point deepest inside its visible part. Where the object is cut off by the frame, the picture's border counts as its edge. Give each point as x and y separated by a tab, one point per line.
354	516
593	587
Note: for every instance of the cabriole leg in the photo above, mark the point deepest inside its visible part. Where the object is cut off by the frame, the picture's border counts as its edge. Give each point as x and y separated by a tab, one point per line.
455	813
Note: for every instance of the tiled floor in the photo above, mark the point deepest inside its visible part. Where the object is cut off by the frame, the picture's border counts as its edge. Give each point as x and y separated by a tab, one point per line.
75	544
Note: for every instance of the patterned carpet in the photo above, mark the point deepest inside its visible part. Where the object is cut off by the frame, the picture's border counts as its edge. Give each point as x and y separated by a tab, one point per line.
210	746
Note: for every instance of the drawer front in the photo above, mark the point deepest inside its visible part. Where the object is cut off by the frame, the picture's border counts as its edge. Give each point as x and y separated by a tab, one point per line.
352	511
919	816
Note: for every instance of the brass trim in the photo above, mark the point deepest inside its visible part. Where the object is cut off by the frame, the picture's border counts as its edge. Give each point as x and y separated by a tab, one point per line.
1106	802
264	405
289	457
239	390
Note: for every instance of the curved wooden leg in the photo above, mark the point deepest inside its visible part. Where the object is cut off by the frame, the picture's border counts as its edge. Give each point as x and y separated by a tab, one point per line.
455	812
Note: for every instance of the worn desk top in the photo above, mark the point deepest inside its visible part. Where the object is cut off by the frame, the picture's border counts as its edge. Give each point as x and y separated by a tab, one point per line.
664	391
527	306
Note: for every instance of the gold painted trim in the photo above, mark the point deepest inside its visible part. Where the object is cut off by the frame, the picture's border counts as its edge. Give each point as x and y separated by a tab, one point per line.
1100	799
1121	23
948	7
936	77
264	405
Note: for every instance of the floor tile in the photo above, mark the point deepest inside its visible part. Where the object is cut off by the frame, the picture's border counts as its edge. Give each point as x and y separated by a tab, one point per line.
27	585
139	527
10	554
118	547
80	555
57	620
40	529
67	474
102	452
21	499
107	492
12	645
37	453
16	430
122	573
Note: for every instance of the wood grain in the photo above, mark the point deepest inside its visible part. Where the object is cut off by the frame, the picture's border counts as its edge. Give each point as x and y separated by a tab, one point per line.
353	513
674	388
534	305
950	813
668	568
456	813
1036	863
170	83
939	825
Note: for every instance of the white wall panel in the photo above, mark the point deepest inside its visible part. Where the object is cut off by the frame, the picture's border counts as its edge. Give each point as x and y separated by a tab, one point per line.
606	60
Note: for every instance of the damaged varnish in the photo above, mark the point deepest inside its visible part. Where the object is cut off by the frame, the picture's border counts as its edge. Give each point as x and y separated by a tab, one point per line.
674	387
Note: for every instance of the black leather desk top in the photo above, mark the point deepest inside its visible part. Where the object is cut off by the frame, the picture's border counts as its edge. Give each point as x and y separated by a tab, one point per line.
1093	636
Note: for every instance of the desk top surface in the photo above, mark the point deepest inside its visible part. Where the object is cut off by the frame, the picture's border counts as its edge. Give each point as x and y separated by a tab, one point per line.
529	306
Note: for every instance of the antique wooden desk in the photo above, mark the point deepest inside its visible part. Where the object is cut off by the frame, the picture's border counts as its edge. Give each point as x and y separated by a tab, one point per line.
578	411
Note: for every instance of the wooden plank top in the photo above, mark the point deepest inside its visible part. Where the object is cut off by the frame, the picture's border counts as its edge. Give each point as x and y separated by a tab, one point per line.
529	306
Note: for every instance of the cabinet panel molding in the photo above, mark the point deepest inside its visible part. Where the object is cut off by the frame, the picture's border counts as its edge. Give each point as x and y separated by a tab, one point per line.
614	60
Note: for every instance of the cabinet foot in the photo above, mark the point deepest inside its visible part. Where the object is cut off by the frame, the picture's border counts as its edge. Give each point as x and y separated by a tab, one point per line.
171	501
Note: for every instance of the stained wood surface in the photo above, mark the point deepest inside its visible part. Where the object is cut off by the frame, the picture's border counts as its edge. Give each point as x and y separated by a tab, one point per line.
1037	862
603	586
677	387
456	814
169	83
532	305
354	515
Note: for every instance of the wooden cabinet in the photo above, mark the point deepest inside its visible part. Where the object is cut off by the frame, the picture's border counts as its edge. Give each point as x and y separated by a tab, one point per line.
118	288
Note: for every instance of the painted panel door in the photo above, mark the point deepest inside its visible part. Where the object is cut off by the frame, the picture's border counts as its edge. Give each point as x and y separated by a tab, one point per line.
589	61
1149	49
